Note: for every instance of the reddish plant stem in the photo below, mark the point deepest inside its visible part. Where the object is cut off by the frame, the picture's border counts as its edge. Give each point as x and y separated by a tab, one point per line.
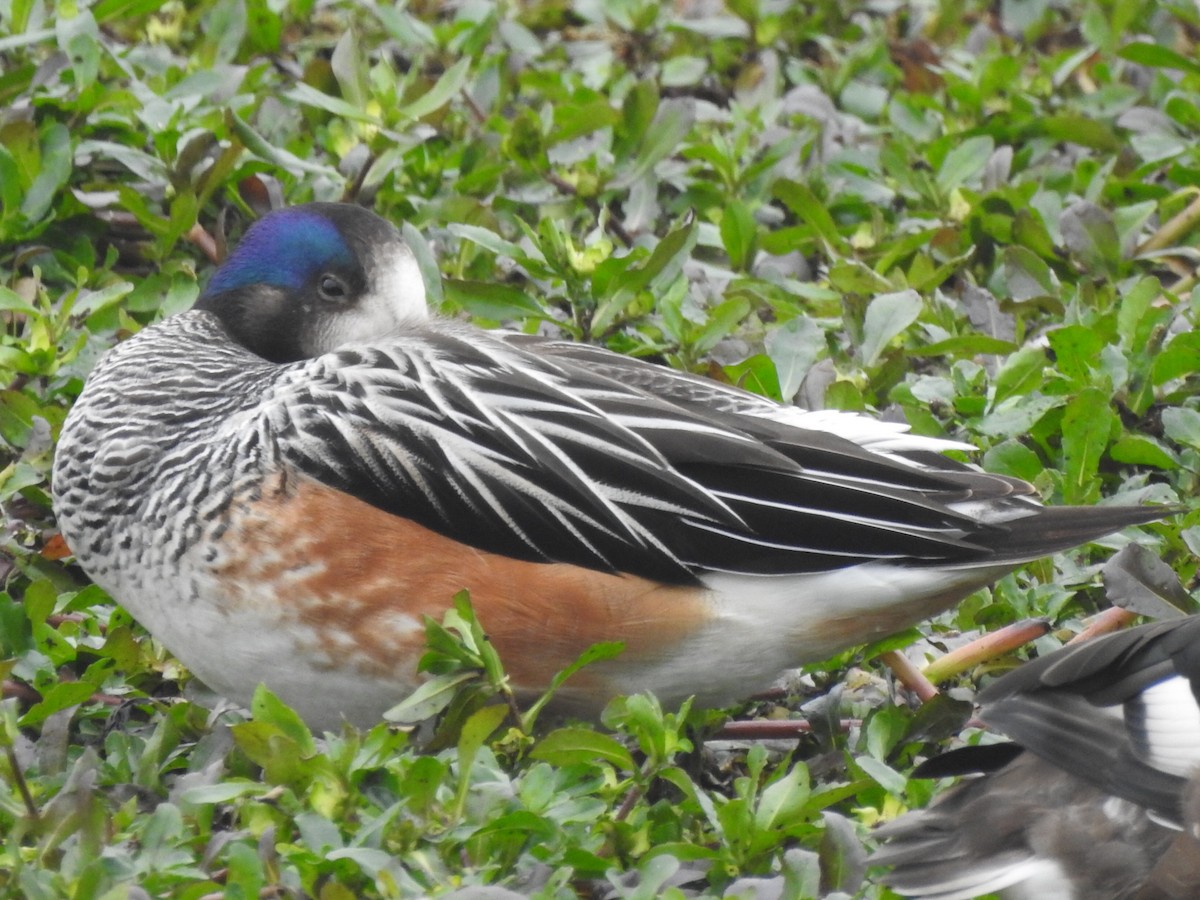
985	648
1104	623
909	675
774	729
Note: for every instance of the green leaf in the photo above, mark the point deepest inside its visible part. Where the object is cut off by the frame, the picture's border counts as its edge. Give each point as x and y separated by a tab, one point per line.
1020	374
800	199
854	277
467	624
280	757
349	68
783	801
653	874
422	782
211	794
1076	351
57	159
637	112
430	698
757	374
1179	358
722	320
671	124
965	162
738	234
1029	231
1017	415
92	302
794	347
122	648
1091	234
1136	303
666	260
884	730
1028	276
17	414
15	631
110	10
1087	423
489	240
492	300
1157	56
25	38
40	599
405	28
904	247
593	654
317	832
79	38
440	94
266	707
18	360
1137	580
12	187
897	641
1182	425
426	262
887	316
56	698
477	729
573	120
883	774
1011	457
519	825
963	345
582	746
1141	450
1087	131
372	860
1130	221
265	150
163	827
307	95
841	866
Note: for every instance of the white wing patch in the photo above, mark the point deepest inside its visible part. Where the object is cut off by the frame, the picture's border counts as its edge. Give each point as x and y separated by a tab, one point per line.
1168	726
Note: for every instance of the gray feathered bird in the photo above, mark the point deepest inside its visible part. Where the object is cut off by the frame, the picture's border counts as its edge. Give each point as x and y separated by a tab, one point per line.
1097	799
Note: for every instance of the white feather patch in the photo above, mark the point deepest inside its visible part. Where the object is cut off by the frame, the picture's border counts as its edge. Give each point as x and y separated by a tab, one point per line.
1171	721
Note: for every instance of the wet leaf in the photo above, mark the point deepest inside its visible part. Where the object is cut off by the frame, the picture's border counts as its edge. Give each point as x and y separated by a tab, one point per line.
888	315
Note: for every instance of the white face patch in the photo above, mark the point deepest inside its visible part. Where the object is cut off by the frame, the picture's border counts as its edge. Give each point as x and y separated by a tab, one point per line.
394	298
395	284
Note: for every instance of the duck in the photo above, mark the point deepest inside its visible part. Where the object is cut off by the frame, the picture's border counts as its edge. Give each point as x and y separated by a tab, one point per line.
283	482
1096	795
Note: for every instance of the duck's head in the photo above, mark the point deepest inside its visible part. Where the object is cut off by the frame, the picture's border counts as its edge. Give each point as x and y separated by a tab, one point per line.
307	279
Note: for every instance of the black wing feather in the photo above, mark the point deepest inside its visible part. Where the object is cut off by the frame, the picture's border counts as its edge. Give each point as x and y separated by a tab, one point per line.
1056	706
543	456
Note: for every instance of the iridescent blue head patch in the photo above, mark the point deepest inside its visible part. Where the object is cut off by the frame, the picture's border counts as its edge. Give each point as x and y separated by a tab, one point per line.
285	248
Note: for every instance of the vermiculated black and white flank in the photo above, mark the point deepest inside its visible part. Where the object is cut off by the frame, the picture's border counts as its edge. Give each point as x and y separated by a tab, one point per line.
1098	798
310	373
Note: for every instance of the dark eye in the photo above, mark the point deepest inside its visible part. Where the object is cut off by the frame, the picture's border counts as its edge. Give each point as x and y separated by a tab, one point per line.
332	288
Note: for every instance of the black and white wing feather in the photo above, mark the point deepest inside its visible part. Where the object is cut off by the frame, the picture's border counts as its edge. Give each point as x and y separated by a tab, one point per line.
540	457
1121	712
1099	795
699	392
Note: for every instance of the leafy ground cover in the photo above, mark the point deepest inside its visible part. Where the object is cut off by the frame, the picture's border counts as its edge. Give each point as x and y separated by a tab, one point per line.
980	218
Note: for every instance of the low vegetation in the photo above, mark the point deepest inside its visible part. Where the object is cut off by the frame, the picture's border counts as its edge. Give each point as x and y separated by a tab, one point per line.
978	218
